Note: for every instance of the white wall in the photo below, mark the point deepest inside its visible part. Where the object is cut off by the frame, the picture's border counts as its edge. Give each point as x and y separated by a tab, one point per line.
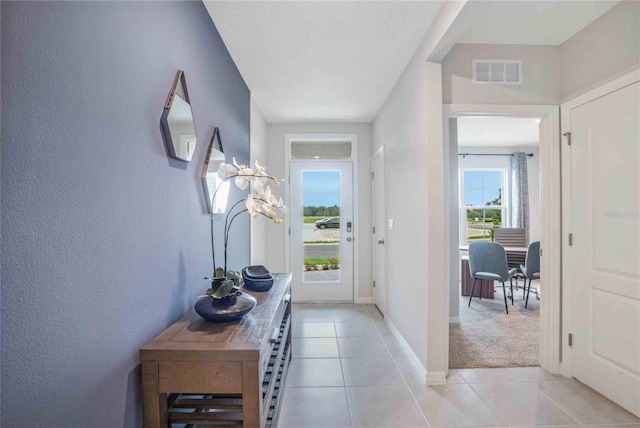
533	171
276	234
258	151
540	75
606	49
409	126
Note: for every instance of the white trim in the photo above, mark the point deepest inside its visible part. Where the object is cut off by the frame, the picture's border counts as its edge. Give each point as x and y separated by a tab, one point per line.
363	301
400	338
607	88
355	191
565	118
550	316
436	378
377	153
454	320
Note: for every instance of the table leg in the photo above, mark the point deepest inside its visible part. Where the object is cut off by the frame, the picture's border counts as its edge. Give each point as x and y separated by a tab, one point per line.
251	395
154	404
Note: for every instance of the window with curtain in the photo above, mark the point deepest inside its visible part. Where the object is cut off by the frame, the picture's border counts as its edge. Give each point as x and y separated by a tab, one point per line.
483	204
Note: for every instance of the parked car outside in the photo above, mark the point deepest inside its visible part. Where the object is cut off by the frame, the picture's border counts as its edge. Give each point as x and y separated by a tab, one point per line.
332	222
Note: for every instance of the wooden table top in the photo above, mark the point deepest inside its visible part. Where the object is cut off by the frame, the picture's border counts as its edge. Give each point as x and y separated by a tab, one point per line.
192	333
507	249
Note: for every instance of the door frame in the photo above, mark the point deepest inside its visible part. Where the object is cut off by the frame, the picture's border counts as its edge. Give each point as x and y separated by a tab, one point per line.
311	137
551	315
377	153
565	117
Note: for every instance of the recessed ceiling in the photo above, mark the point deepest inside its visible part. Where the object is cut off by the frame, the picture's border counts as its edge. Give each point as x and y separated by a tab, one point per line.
322	61
491	131
533	22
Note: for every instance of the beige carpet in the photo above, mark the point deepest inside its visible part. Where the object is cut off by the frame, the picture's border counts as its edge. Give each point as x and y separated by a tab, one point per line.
488	337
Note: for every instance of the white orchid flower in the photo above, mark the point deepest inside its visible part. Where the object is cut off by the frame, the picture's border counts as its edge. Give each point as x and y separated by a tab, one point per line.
258	187
226	170
267	195
252	206
242	182
260	170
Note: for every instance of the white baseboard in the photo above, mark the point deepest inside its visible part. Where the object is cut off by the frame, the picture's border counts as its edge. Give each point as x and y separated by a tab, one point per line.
454	320
363	301
436	378
396	333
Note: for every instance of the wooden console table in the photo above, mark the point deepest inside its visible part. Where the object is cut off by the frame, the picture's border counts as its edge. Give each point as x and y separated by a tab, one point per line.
231	374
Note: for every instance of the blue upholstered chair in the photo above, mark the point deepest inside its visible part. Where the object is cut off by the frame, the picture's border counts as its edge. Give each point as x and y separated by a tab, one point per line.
488	260
531	267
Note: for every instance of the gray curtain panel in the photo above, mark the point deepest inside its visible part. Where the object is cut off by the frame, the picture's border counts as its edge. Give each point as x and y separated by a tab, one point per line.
520	192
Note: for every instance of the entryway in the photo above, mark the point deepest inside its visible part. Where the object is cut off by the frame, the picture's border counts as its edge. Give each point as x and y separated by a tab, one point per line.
321	220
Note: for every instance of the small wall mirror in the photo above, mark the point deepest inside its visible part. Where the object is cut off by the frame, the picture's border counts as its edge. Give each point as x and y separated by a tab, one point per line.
210	179
178	127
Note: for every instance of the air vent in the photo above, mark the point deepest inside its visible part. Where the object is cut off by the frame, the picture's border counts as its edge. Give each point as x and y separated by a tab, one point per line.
497	71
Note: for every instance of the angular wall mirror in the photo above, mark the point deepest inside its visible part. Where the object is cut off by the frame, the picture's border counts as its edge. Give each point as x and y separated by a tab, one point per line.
178	128
210	179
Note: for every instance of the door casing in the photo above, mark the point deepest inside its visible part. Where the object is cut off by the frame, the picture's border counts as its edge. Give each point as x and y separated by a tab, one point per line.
287	223
377	234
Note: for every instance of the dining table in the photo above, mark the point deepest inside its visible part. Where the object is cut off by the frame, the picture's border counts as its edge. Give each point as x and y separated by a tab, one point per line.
513	250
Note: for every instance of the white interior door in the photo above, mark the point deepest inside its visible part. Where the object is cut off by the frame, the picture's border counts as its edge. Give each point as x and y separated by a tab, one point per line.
378	199
605	254
321	239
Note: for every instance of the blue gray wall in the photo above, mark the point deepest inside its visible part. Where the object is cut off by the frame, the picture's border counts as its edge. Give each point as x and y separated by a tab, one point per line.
104	240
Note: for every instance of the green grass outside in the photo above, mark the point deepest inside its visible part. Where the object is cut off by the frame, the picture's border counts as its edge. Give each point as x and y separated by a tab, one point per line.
476	237
316	261
322	242
308	220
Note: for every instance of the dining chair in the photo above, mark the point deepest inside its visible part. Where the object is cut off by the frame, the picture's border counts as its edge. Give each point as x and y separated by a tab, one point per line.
513	237
531	267
488	260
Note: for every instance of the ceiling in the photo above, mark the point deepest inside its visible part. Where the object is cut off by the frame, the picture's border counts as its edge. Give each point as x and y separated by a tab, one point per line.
322	61
533	22
337	61
486	131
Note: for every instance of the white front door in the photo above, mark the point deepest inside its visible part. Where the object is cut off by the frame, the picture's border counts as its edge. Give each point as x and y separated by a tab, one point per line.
605	253
322	225
378	198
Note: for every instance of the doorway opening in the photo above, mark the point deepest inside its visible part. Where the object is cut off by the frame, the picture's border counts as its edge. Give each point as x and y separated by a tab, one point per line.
496	199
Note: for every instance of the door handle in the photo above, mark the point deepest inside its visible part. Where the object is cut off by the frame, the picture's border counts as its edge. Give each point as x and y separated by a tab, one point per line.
349	239
381	241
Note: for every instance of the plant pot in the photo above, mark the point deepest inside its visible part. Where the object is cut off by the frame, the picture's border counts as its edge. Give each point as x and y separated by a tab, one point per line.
229	308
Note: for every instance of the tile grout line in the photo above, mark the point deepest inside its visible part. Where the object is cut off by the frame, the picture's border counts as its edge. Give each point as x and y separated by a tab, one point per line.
344	378
559	406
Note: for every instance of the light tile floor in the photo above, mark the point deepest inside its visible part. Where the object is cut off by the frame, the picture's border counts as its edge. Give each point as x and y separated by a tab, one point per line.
349	370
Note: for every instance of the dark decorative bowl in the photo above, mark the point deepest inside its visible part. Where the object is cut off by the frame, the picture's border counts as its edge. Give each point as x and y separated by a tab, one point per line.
227	309
258	284
256	272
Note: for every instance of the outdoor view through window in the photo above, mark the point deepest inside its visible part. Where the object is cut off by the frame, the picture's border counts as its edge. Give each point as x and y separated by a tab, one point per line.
483	205
321	225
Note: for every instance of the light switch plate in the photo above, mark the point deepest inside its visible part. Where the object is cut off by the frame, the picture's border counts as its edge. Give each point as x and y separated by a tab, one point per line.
390	224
